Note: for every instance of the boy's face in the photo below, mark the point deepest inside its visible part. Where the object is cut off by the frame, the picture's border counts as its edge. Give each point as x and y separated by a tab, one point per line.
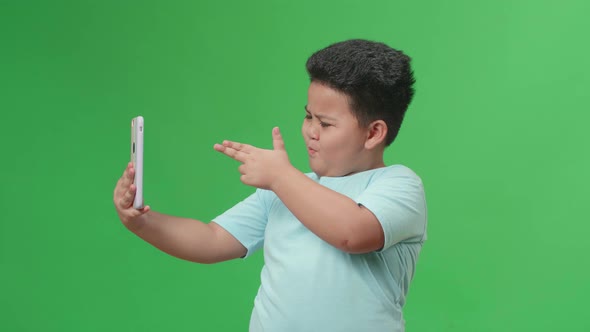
334	140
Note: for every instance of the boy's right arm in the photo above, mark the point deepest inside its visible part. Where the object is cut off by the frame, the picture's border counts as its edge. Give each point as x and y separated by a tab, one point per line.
184	238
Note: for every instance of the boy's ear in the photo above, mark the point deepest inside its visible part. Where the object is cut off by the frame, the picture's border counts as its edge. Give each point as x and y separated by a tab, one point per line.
377	131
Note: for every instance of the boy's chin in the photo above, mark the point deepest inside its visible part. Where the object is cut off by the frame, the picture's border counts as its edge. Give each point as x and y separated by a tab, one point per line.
320	170
317	170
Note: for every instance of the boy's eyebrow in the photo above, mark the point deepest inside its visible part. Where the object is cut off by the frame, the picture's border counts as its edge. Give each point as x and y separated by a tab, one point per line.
320	116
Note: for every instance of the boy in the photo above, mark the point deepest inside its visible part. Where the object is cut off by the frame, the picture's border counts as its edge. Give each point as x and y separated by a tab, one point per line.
341	243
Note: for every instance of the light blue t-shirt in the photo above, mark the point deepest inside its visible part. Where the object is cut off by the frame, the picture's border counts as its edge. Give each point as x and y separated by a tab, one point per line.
309	285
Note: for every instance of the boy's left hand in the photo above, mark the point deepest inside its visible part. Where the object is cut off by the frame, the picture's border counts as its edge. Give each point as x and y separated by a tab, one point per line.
260	168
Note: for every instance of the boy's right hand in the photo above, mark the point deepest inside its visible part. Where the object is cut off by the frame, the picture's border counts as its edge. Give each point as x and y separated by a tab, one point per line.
123	197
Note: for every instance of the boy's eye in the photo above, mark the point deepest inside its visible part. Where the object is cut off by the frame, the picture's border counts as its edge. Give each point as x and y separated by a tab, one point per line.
322	124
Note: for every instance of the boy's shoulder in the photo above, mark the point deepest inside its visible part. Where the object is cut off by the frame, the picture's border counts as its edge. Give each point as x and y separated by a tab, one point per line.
399	169
396	170
393	173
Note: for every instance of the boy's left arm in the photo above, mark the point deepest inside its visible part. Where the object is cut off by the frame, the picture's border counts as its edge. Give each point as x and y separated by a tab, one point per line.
333	217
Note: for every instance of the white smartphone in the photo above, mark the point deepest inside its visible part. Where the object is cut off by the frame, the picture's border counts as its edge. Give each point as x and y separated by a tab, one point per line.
137	129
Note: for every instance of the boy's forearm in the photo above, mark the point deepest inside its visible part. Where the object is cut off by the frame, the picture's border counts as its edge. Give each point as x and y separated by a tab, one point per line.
330	215
184	238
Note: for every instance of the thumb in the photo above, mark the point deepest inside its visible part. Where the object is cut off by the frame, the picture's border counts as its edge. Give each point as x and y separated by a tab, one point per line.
277	139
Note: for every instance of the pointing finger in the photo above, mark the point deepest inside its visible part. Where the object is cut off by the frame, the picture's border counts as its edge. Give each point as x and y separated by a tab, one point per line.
246	148
231	152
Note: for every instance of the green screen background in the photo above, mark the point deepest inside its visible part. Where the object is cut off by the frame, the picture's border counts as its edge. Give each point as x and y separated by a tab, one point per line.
497	131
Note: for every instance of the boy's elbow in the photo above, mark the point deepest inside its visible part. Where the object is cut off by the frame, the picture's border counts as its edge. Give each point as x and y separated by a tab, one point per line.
358	244
363	233
347	247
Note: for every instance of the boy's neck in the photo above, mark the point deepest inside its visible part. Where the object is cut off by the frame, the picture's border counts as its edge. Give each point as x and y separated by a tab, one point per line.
370	161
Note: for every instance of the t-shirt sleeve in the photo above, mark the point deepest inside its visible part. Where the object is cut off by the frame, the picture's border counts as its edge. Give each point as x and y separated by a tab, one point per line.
397	199
246	221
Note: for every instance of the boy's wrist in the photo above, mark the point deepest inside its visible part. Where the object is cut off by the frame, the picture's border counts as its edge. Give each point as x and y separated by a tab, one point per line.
136	224
287	174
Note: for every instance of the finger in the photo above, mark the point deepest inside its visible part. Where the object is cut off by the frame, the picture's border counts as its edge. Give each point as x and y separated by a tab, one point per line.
277	139
230	152
117	191
138	212
127	180
127	199
242	169
132	213
129	176
246	148
218	147
122	183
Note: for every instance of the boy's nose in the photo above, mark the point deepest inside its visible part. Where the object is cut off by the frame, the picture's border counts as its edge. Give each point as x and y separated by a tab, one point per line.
313	132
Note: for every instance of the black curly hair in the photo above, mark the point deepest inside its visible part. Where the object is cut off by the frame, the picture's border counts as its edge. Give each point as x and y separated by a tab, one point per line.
376	78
